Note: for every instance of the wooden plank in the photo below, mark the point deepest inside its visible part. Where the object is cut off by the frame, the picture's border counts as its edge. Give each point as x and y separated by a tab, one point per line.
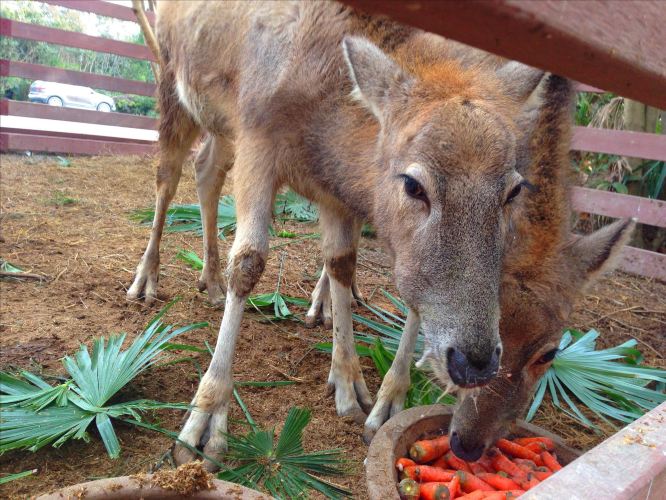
25	31
35	110
575	39
40	72
71	135
50	144
619	206
643	263
101	8
581	87
620	142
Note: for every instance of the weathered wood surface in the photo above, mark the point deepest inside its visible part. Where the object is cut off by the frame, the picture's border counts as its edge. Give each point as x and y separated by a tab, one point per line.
41	72
616	45
619	206
620	142
26	31
35	110
10	141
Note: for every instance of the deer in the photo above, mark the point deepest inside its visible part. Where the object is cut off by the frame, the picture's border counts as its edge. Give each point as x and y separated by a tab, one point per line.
373	121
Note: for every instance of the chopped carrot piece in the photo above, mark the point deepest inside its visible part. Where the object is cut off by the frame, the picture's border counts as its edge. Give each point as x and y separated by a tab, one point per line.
498	482
435	491
429	449
494	495
530	482
409	489
441	463
469	482
454	486
513	494
476	467
401	463
456	463
518	451
542	475
503	464
475	495
427	473
550	461
550	445
486	463
536	446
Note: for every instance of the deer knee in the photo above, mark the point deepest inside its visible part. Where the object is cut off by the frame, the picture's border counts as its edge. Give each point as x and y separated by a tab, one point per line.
341	267
245	269
212	393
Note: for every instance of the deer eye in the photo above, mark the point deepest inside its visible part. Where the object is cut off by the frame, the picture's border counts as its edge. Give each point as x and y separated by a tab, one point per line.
514	192
547	358
413	188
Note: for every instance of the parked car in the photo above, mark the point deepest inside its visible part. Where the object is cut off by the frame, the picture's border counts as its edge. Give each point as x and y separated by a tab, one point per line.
70	96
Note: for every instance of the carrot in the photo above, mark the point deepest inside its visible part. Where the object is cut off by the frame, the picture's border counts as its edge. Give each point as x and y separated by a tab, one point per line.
454	486
518	451
541	475
435	491
441	463
469	482
429	449
409	489
550	445
494	495
529	483
427	473
550	461
503	464
513	493
401	463
475	495
498	482
536	446
486	463
525	464
476	468
456	463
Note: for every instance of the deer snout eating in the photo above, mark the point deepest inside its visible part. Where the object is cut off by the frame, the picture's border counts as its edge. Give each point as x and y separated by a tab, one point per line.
468	453
472	371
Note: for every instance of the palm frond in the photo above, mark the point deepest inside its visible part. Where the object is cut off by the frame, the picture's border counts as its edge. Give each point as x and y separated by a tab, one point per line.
191	259
283	468
609	381
291	206
35	414
9	267
19	475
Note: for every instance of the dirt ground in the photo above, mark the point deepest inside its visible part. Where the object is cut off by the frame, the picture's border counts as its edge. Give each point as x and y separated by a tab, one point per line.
71	224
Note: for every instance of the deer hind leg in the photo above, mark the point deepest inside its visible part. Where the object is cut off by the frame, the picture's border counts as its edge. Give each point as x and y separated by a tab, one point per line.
352	397
254	190
177	133
320	308
393	391
213	162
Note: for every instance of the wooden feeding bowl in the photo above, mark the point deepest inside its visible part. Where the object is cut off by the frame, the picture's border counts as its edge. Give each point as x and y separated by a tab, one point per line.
394	438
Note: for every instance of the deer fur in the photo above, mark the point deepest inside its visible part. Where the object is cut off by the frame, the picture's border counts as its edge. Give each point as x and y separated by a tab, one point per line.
372	120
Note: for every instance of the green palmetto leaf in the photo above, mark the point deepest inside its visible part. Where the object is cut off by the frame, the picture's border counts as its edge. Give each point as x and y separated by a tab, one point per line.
35	413
191	259
284	469
291	206
8	267
609	381
19	475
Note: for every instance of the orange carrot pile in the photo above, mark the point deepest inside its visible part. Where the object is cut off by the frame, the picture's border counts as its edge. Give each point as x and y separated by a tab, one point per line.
506	471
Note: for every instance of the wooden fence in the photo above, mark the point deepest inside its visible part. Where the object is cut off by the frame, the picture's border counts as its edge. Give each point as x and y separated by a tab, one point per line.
39	127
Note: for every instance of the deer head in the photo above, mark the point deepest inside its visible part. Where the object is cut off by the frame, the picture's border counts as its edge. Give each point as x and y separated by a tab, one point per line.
546	269
447	180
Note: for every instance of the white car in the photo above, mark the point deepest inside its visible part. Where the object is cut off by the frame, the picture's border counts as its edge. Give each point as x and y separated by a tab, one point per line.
70	96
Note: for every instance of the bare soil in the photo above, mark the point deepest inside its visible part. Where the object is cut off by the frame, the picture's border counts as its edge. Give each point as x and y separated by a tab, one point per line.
72	224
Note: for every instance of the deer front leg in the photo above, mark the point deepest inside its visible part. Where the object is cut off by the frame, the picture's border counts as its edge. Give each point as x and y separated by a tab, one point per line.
211	166
247	258
393	391
352	397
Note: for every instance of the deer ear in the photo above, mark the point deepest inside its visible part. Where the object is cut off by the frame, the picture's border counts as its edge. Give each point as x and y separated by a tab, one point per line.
595	253
519	80
374	74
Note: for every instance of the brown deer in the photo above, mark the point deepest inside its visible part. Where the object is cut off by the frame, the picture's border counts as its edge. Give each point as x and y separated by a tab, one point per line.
546	270
373	121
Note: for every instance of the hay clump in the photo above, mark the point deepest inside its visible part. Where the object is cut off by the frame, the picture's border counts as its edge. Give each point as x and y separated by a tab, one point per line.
185	480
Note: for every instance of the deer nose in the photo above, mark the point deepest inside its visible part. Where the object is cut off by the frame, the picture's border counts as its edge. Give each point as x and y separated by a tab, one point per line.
472	371
460	451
